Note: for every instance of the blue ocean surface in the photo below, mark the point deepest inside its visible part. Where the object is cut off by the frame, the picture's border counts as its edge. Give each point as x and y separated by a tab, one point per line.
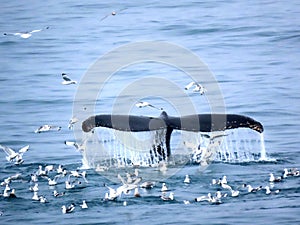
252	50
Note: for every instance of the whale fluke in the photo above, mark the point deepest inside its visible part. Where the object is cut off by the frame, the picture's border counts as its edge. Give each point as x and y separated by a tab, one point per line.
196	123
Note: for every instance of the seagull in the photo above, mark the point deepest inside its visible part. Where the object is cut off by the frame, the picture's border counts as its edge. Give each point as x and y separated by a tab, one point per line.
43	199
164	187
203	198
34	178
147	185
35	196
168	198
274	179
145	104
35	188
67	80
187	179
9	179
72	121
47	127
12	155
224	180
268	191
79	147
251	189
198	87
68	209
56	194
53	182
113	13
84	205
26	34
69	185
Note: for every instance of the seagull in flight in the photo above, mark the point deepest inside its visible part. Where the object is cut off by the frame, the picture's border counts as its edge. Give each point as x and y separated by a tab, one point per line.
113	13
26	34
47	127
145	104
67	80
13	155
198	87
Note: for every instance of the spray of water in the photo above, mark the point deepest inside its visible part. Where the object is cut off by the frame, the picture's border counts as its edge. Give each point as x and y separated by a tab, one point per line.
108	148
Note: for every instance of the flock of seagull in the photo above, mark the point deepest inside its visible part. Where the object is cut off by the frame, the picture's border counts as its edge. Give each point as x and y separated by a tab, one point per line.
130	187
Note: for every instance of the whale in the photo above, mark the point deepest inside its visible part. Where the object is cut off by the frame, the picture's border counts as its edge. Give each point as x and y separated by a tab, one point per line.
194	123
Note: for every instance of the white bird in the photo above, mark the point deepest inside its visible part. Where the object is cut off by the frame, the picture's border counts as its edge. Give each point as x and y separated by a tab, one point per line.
235	193
268	191
35	196
203	198
274	179
79	147
113	13
68	209
187	179
164	187
167	198
145	104
41	172
34	178
46	128
69	185
251	189
35	188
43	199
14	156
60	169
198	87
84	205
72	121
147	185
56	194
224	180
53	182
26	34
67	80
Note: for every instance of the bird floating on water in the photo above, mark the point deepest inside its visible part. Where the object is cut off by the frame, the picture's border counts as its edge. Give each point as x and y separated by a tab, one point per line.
67	80
26	34
274	179
84	205
187	179
68	209
12	155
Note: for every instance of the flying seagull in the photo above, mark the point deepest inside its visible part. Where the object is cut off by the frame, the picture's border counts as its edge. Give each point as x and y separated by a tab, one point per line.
26	34
113	13
145	104
67	80
13	155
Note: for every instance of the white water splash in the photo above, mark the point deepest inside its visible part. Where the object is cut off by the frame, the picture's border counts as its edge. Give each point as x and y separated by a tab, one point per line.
110	148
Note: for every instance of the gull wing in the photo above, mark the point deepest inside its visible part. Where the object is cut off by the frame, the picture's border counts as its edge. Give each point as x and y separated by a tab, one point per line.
24	149
34	31
7	150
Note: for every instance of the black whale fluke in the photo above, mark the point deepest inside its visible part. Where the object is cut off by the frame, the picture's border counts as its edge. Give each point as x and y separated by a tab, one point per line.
196	123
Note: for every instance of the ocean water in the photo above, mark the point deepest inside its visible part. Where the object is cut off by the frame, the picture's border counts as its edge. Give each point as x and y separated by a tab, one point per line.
252	49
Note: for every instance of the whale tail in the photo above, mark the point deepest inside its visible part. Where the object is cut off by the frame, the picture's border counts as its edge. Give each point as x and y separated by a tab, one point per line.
161	128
